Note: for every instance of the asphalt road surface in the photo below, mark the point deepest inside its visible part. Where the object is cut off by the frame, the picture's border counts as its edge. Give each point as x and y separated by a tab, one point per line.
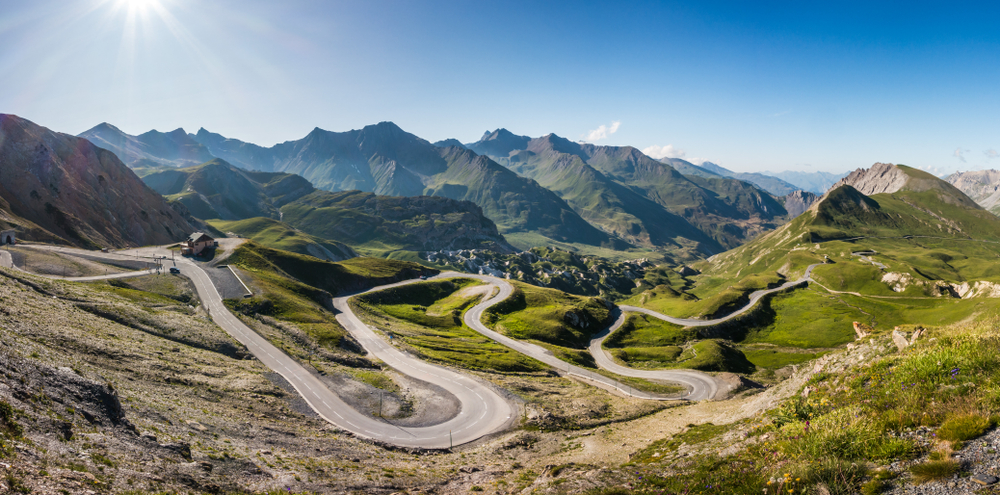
482	412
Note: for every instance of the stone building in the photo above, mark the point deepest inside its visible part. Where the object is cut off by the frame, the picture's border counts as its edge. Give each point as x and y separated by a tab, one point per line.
198	242
7	237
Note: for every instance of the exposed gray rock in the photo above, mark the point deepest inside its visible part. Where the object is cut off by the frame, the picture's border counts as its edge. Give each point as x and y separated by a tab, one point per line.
983	186
900	340
798	202
880	178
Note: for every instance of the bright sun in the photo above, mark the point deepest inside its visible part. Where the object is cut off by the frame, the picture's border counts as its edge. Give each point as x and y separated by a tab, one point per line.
140	5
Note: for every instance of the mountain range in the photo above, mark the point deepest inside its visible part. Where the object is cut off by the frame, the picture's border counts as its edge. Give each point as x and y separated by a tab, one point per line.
642	200
218	190
613	197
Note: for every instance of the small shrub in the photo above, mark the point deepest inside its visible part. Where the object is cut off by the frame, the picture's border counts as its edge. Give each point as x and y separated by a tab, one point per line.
7	420
962	428
15	485
933	470
476	488
874	487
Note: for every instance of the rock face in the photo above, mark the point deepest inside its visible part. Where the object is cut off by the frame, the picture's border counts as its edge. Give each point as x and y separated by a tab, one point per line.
66	187
798	202
880	178
983	186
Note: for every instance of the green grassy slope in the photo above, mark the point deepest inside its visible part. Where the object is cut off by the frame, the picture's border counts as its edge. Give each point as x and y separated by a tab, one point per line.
612	206
427	318
344	277
274	234
377	224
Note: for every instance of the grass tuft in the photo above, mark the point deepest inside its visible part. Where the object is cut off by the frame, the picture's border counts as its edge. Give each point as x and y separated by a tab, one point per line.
933	470
964	427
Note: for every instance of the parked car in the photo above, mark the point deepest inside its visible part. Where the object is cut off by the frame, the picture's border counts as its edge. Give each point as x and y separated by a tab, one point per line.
174	269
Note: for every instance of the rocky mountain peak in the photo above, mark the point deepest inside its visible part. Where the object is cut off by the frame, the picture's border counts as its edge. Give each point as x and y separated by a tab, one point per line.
880	178
797	202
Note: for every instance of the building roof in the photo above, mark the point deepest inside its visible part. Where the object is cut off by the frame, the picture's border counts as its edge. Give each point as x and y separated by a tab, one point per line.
199	237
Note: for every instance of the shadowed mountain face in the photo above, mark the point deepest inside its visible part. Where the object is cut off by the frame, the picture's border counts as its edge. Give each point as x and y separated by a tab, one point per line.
256	201
149	150
773	185
640	199
386	223
216	189
56	185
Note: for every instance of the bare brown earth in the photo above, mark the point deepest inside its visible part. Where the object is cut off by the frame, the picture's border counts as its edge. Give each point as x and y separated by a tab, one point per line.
57	185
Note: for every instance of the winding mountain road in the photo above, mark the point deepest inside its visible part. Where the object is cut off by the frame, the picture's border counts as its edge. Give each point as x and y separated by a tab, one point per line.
483	410
705	386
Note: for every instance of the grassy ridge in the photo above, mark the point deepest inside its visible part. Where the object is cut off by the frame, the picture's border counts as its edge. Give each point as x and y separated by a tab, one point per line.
338	278
646	342
427	317
279	235
535	313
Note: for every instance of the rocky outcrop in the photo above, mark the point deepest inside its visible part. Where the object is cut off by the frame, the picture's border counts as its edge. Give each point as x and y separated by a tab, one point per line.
85	195
983	186
880	178
798	202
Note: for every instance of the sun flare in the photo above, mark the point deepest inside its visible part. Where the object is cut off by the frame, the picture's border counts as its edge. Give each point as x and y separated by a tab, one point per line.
138	5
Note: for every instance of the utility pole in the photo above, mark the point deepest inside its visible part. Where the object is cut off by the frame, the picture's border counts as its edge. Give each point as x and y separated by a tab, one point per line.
451	442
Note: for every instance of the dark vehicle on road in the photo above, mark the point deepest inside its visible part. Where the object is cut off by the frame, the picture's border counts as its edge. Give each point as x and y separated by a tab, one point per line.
174	269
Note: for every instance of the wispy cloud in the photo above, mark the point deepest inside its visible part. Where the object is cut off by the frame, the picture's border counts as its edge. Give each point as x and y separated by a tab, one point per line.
602	132
938	171
991	154
960	154
668	151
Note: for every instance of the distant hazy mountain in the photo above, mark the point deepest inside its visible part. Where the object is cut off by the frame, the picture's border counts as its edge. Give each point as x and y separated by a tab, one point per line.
54	185
688	168
983	186
768	183
637	198
151	149
499	143
449	142
817	182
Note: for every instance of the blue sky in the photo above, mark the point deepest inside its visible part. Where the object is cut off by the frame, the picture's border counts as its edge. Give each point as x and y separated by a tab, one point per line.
749	85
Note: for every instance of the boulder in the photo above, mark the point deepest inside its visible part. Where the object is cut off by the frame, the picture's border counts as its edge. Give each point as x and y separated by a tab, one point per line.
900	340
